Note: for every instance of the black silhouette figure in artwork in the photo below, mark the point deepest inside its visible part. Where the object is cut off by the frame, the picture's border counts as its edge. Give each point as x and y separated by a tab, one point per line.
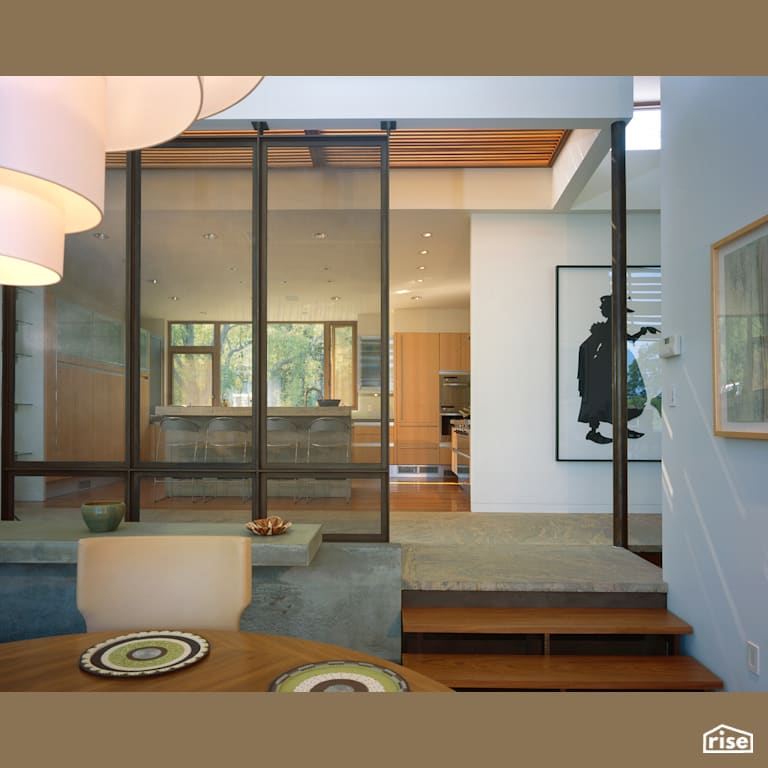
594	376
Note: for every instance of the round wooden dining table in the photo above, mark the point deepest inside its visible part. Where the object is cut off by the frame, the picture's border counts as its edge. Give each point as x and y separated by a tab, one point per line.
235	661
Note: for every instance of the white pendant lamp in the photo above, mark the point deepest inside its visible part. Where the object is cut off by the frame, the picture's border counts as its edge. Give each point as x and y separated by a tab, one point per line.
53	136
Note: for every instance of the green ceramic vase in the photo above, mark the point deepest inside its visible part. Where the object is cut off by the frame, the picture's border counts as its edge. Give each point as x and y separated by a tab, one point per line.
103	516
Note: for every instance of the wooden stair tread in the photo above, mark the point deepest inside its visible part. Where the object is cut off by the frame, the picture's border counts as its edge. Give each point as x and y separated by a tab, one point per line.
503	671
573	621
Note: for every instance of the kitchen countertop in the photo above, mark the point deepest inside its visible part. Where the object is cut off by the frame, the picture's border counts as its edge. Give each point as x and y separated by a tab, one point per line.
240	412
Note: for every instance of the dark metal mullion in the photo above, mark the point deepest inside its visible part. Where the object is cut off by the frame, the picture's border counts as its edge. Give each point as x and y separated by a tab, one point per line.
329	344
619	333
133	335
258	317
8	397
384	319
303	140
216	365
206	142
43	468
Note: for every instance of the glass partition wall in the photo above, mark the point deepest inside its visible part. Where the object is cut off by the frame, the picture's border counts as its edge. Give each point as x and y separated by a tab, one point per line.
64	375
201	357
322	237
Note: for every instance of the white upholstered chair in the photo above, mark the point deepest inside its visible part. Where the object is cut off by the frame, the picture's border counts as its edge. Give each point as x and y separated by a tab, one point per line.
139	583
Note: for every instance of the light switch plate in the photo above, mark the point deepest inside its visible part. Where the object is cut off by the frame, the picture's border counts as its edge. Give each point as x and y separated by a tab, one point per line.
671	346
753	657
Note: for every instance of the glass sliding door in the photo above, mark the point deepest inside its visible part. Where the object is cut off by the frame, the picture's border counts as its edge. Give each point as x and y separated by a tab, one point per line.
196	300
323	243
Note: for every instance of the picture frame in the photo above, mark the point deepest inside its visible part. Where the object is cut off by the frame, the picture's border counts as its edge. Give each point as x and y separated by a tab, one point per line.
583	362
740	332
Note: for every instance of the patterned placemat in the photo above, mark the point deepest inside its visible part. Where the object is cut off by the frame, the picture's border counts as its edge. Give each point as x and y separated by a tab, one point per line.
140	654
339	677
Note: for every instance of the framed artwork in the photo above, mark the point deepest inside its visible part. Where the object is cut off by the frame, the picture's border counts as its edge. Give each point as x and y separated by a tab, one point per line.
740	332
584	423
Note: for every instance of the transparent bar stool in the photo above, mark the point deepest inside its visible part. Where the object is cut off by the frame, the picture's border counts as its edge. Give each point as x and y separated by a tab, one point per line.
328	442
177	441
226	441
283	439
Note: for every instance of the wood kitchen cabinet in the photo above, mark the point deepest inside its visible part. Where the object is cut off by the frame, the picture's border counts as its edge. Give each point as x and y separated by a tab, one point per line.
417	394
454	351
366	442
417	398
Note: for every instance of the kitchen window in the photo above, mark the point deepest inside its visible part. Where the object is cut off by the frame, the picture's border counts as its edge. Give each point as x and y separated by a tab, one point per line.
307	362
211	363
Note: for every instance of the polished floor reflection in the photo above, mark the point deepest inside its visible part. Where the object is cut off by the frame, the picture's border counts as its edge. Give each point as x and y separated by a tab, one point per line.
212	500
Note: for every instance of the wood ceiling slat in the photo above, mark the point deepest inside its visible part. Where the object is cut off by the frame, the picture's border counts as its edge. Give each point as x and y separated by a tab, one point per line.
409	148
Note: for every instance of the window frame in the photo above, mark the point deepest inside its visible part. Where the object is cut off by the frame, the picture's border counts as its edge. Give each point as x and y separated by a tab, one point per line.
213	350
328	369
329	376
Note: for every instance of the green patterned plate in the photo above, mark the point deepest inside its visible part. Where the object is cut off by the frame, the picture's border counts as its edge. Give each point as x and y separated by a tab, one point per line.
140	654
339	677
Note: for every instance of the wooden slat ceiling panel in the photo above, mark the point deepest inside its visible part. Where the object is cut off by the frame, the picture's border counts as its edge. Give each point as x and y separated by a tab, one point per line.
408	149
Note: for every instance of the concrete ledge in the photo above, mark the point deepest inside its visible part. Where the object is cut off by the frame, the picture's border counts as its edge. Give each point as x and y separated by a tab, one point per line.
529	567
56	541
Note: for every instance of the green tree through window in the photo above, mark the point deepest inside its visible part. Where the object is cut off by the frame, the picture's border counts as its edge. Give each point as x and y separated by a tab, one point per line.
212	363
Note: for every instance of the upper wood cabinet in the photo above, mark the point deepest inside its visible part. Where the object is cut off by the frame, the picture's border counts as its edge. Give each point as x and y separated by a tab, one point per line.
454	352
417	395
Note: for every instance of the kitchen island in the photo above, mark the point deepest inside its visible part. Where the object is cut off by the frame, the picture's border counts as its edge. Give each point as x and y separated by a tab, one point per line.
300	418
202	413
288	444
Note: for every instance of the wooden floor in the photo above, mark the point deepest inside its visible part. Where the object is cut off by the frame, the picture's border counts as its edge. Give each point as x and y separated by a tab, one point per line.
436	497
428	496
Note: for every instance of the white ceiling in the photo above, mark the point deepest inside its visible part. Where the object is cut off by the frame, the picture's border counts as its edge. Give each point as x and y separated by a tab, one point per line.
211	279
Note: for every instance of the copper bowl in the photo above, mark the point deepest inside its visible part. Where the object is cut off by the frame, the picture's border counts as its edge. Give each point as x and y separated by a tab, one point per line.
268	526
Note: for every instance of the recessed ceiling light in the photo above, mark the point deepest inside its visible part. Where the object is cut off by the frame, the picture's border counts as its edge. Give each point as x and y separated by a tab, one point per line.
426	234
335	298
173	298
421	267
402	291
210	236
101	235
423	252
419	279
415	298
152	280
320	235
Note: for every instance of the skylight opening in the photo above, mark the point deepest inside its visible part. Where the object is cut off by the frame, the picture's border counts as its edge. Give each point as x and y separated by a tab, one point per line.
644	129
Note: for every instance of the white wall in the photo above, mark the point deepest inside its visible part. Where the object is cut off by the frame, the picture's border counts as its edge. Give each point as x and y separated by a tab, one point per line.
513	260
715	507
